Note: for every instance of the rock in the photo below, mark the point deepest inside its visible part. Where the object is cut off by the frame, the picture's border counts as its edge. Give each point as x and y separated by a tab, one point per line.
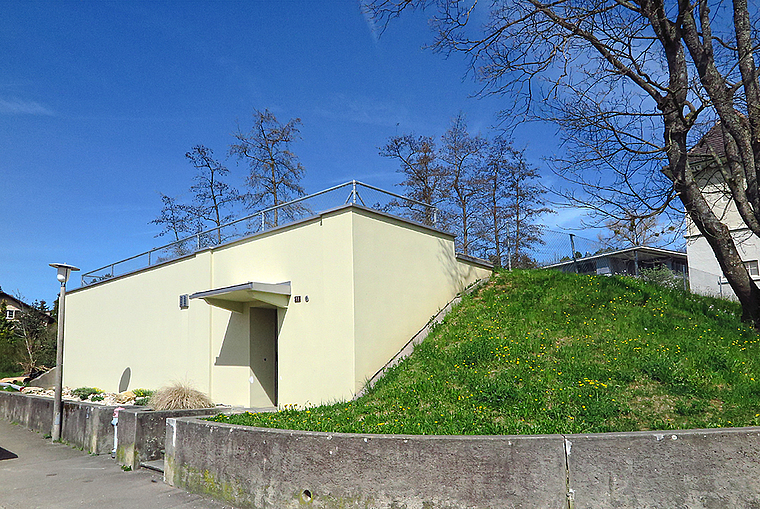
45	380
124	397
33	390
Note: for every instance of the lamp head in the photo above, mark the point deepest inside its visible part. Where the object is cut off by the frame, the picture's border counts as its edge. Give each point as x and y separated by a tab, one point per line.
64	270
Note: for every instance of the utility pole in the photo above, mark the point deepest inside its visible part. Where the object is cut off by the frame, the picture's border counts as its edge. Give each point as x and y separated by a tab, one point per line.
572	248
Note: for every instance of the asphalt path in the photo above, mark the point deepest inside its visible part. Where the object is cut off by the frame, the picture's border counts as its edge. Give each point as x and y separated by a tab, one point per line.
36	473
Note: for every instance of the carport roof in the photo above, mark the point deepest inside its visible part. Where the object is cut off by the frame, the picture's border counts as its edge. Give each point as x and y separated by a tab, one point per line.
234	298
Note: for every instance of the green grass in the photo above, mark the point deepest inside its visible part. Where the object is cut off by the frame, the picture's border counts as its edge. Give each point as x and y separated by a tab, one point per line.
544	352
8	374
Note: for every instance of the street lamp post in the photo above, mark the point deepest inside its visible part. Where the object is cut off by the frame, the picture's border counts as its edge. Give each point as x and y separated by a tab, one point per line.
64	271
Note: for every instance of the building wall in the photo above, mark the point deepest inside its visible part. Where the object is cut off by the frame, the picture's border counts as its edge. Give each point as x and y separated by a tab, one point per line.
12	311
315	338
705	274
718	197
366	284
13	307
403	275
135	323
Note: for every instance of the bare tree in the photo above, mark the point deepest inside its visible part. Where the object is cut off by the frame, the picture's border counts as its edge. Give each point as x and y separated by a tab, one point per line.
494	220
213	202
633	84
175	219
522	199
275	171
424	179
35	337
511	204
462	156
635	231
213	199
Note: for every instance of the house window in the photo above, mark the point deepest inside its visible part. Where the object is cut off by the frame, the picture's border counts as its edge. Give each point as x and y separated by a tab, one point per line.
752	268
10	314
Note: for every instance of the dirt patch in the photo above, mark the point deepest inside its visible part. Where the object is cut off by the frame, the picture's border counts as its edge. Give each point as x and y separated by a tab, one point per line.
662	405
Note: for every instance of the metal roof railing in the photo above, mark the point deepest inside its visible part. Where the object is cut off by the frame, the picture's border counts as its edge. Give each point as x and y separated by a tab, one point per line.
269	218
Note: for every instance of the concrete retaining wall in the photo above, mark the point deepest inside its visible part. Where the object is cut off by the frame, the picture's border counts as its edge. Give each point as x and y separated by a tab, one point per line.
714	468
142	433
85	425
268	468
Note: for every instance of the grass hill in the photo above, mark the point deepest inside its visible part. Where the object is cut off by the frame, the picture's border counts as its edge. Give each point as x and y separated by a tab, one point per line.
545	352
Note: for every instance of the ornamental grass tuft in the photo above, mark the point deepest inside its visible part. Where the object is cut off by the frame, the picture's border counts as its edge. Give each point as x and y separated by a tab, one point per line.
179	396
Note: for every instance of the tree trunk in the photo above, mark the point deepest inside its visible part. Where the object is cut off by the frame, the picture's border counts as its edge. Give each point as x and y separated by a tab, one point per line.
722	244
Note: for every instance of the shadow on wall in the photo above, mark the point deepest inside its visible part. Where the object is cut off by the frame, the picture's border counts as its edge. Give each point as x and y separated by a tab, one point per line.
250	340
126	376
457	274
235	349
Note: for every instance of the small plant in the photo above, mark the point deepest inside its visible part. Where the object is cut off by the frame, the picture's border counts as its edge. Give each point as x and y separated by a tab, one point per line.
142	393
142	401
179	397
662	276
97	397
126	468
84	393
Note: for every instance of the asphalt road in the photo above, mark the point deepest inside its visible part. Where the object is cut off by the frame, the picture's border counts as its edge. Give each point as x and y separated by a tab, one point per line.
35	473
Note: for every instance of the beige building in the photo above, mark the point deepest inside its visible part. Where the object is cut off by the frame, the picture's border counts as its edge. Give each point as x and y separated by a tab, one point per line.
301	314
705	274
14	307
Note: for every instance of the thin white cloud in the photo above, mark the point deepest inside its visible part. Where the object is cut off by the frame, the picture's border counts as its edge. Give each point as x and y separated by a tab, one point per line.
363	110
17	106
568	218
370	21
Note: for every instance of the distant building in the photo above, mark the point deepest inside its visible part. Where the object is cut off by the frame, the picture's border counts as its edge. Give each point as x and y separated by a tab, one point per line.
14	307
627	261
705	274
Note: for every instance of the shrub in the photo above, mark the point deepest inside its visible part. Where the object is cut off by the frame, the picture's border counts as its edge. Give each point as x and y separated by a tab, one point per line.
142	393
84	393
662	276
179	397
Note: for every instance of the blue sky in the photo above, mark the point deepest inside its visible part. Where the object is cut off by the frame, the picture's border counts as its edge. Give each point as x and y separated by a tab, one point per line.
99	101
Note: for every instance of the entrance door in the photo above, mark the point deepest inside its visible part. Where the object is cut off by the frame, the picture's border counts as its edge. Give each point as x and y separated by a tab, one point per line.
263	357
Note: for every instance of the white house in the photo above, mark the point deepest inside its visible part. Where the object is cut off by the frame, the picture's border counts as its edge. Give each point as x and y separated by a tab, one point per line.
705	274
